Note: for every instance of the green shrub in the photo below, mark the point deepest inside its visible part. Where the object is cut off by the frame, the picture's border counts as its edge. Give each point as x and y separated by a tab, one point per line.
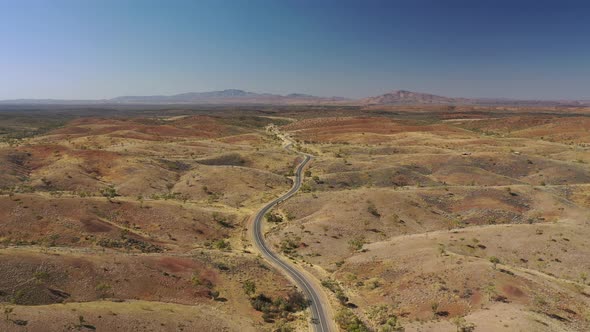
196	280
109	192
279	307
103	289
372	209
273	217
288	245
349	322
249	287
221	244
357	243
495	261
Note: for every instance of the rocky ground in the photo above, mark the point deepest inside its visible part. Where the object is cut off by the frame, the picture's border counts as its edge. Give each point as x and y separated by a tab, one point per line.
433	223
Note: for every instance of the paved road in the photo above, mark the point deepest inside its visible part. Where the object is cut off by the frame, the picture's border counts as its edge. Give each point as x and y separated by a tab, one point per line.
318	315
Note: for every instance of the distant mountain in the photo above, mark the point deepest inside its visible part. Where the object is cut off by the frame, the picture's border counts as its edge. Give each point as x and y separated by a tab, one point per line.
230	96
186	97
241	97
50	102
409	97
404	97
299	95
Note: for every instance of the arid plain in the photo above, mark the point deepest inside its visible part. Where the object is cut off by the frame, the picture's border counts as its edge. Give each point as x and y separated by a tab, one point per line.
416	218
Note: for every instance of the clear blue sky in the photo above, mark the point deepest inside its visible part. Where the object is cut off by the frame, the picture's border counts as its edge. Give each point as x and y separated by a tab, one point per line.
102	48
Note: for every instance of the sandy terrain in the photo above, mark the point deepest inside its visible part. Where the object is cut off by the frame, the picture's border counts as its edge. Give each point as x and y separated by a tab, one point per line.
138	223
456	219
423	218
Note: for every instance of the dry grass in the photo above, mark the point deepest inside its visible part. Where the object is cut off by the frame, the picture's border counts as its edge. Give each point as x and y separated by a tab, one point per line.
479	216
149	211
435	212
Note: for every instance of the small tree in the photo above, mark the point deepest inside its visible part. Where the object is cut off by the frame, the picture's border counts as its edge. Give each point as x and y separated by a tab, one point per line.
434	307
196	280
372	209
495	261
103	289
357	243
342	298
273	217
8	312
463	325
249	287
214	294
221	244
109	192
490	291
348	321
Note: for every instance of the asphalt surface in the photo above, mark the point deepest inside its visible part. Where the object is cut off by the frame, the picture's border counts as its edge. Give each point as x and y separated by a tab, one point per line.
319	321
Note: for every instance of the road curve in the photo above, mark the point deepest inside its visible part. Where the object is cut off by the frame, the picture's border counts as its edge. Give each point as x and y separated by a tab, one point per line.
318	314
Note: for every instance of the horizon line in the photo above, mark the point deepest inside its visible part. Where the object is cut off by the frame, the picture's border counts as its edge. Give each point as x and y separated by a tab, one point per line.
54	99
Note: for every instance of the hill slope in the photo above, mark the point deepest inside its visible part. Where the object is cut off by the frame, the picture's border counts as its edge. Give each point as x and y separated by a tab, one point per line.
232	96
409	97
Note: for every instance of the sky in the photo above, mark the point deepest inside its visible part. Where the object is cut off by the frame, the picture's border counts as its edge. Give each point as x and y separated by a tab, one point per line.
85	49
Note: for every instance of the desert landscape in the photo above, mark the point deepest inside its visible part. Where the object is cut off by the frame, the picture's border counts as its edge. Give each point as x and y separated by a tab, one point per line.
294	166
139	223
409	217
455	220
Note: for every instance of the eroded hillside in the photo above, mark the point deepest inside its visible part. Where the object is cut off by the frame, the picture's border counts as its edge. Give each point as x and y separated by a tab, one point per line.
138	223
433	223
422	219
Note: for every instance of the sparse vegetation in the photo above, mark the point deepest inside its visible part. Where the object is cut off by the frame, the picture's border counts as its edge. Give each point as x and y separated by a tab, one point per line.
103	289
221	244
372	209
273	217
384	319
222	221
249	287
290	245
129	244
83	325
41	276
196	280
495	261
280	307
416	189
357	243
349	322
109	192
463	326
336	289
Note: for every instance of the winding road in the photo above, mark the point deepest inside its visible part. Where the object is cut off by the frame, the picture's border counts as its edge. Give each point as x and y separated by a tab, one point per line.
319	316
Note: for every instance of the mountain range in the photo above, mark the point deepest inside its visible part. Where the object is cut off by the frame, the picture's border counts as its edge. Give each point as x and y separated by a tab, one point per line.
404	97
241	97
229	96
410	97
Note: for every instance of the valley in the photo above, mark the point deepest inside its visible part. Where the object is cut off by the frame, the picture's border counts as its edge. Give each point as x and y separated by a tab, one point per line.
408	218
